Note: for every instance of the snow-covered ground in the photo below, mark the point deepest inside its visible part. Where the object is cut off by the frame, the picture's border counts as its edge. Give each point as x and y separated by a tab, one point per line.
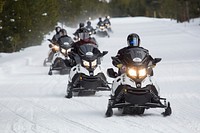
31	101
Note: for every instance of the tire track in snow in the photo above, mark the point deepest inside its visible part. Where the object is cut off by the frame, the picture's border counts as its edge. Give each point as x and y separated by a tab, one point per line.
57	80
132	123
141	125
149	122
111	120
67	120
24	118
47	111
190	121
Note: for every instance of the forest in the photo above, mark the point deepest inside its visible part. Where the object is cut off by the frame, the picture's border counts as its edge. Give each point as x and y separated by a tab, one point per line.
23	23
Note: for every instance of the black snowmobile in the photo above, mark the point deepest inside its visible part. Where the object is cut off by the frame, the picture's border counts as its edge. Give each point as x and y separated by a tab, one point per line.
86	77
102	31
58	61
134	91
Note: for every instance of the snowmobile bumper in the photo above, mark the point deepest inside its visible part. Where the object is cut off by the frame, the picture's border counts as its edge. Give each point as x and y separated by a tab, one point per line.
137	100
59	65
146	105
82	82
87	89
138	109
140	98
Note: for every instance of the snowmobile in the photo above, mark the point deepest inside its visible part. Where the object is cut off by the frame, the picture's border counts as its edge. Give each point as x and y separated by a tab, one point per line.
108	27
58	60
91	31
102	31
86	77
133	91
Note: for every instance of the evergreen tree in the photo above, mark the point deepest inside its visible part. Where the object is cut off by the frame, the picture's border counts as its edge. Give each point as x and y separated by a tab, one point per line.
23	23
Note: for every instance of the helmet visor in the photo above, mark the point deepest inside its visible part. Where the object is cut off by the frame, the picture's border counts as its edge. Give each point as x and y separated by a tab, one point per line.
134	42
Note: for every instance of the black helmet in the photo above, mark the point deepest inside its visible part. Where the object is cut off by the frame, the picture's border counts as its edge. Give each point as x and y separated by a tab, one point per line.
81	25
83	34
57	29
88	23
108	17
133	40
63	32
100	18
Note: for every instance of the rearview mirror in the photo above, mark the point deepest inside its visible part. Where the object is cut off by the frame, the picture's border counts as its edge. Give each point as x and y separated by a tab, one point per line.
156	60
111	73
104	53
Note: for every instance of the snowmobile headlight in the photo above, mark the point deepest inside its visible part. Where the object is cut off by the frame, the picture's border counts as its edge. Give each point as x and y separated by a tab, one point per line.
55	48
132	72
142	72
107	25
86	63
63	51
94	63
102	27
68	50
137	73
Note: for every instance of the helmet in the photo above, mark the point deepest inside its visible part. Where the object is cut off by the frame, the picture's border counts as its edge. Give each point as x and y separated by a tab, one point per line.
133	40
100	18
81	25
84	34
57	29
108	17
88	23
63	32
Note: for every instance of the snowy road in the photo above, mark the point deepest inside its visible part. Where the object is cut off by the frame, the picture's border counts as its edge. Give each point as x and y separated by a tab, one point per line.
31	101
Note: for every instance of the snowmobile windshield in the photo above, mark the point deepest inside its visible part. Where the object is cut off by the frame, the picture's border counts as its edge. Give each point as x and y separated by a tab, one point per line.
136	57
88	52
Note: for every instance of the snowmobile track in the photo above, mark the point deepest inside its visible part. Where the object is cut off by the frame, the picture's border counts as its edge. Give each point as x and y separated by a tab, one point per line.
26	119
61	117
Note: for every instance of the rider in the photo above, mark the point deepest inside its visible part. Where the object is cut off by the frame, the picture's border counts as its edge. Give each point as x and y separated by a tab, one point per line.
107	23
53	46
90	28
100	22
84	38
64	41
81	26
57	35
133	41
107	20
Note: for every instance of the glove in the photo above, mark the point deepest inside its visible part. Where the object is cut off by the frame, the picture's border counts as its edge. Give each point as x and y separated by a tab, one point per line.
51	45
119	65
116	62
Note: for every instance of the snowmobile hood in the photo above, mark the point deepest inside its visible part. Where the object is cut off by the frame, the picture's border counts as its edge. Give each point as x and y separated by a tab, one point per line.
89	52
136	57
